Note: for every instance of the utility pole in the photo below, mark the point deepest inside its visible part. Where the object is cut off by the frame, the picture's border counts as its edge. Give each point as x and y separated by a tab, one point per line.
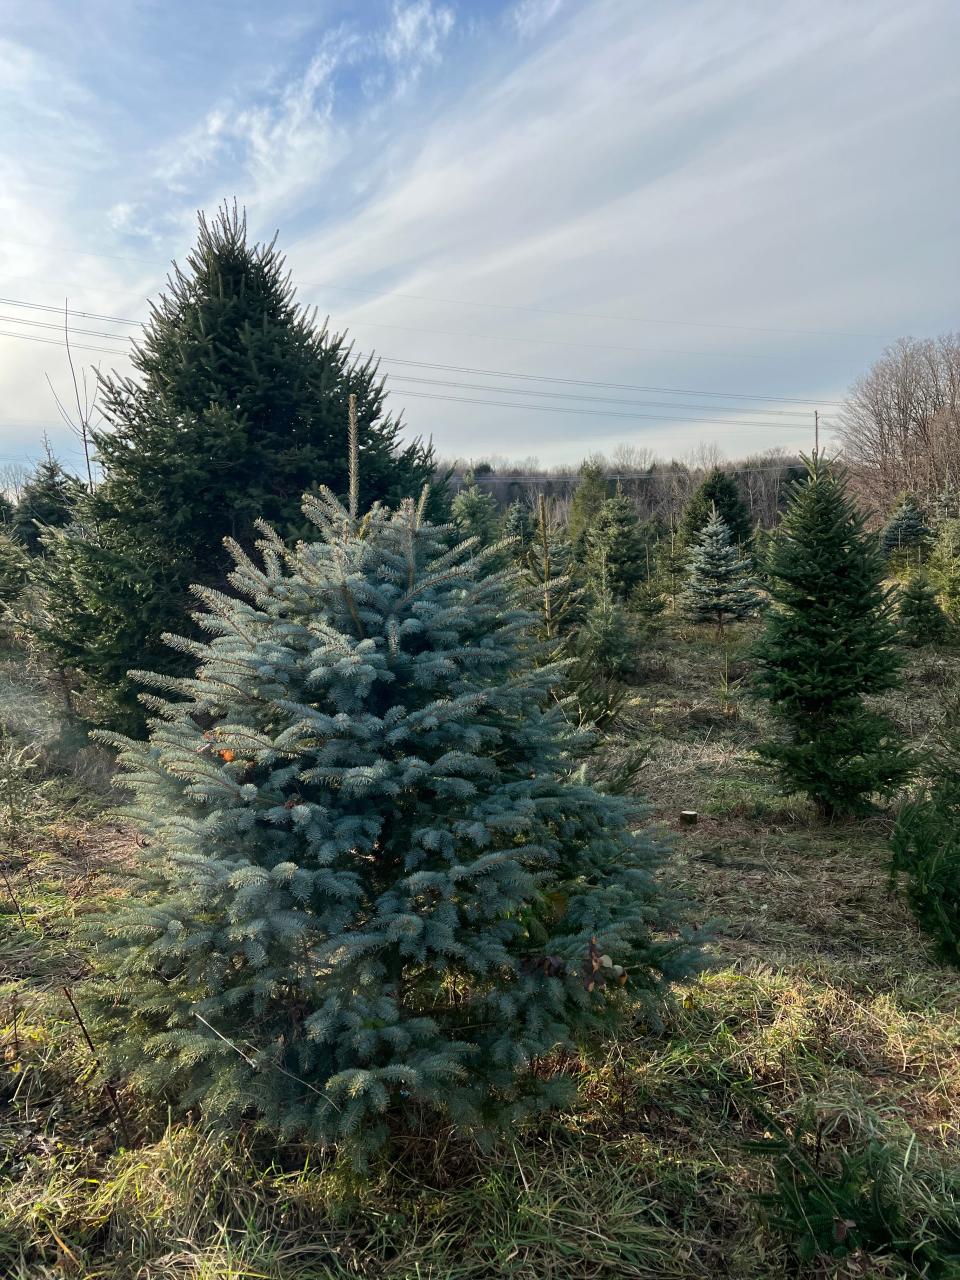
816	432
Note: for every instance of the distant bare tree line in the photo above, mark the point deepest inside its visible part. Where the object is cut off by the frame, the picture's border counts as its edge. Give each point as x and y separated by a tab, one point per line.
660	489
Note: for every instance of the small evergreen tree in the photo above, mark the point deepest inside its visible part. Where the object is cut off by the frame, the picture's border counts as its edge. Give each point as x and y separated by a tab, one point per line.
905	537
719	587
718	490
14	567
944	567
946	506
371	889
48	500
922	621
518	524
475	513
829	641
616	540
926	851
588	498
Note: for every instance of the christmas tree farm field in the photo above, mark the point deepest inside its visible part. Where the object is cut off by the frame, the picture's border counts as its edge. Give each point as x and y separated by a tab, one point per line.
797	1113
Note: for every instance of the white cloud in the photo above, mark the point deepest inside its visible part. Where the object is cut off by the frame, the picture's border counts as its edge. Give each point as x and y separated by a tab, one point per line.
416	36
531	16
735	165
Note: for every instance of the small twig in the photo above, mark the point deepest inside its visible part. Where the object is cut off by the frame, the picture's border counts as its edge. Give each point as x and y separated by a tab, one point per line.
111	1091
13	896
257	1067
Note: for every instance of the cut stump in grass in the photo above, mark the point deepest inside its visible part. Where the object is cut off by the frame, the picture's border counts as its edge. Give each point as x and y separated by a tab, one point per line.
689	817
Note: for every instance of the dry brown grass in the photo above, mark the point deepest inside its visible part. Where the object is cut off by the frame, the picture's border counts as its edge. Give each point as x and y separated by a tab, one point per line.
821	996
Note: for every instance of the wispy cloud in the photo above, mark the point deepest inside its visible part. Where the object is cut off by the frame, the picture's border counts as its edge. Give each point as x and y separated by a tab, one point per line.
530	16
644	195
415	37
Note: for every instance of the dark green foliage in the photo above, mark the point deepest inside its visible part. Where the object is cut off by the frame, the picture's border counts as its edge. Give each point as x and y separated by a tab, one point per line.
829	641
720	587
946	506
835	1204
905	537
238	407
944	567
718	490
476	514
548	572
616	539
372	892
518	524
591	634
926	850
589	496
14	566
48	500
922	621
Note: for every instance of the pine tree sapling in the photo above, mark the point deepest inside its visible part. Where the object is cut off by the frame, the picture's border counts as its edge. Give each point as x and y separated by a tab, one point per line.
905	537
922	621
829	641
718	490
616	538
372	890
944	567
719	587
475	513
926	851
48	500
589	496
518	525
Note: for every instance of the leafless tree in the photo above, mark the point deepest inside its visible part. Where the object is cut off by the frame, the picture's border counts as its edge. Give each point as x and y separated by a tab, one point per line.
900	426
13	476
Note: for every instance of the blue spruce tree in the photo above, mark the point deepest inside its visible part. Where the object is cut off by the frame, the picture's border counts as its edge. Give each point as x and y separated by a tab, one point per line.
373	886
720	587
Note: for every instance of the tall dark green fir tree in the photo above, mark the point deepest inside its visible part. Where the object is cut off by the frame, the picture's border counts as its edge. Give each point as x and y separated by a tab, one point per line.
718	490
829	643
589	496
238	406
368	859
616	538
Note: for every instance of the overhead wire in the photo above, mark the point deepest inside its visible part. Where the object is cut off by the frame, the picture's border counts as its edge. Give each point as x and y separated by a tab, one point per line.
468	369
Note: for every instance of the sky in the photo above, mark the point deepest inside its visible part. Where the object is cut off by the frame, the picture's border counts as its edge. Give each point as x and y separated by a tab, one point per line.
563	224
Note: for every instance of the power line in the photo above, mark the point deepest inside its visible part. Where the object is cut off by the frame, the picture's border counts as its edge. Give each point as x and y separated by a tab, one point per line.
506	391
426	364
52	342
590	315
499	306
583	382
569	395
566	342
596	413
46	324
